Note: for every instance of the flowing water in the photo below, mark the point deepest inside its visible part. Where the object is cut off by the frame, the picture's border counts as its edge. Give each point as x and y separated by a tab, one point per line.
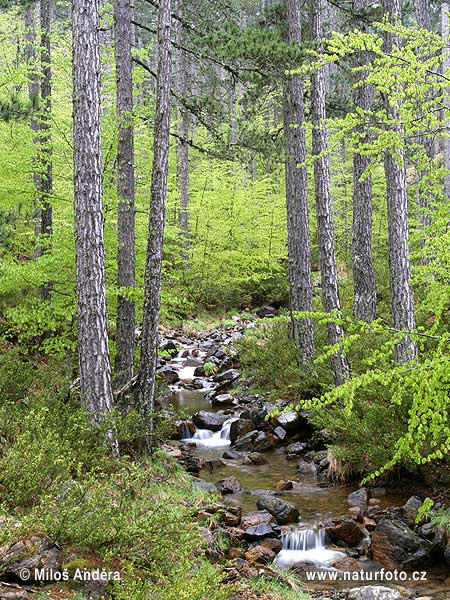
316	501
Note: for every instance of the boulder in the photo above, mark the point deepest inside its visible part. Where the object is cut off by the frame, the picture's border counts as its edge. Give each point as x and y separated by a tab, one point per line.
246	441
169	346
373	592
256	518
280	433
410	510
229	485
290	421
254	458
227	377
273	544
232	455
208	420
264	442
185	429
168	375
259	532
306	468
295	450
283	511
239	428
395	544
284	485
191	463
345	530
358	498
224	400
205	486
346	564
259	555
26	556
267	312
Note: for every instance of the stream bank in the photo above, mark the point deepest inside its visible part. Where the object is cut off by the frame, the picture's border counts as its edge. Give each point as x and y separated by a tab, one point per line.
278	504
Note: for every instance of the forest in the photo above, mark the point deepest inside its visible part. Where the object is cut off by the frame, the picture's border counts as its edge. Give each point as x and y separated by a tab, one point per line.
224	299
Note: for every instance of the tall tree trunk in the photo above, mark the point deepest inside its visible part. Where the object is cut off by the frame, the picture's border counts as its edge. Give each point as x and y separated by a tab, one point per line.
397	203
183	122
33	95
446	68
297	198
95	370
125	322
153	270
364	282
425	197
46	178
324	206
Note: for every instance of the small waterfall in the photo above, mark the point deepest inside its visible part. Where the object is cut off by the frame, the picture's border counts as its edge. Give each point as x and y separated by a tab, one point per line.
306	545
187	374
304	539
218	439
186	433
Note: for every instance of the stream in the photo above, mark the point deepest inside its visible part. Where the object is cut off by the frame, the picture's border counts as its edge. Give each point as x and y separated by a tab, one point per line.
316	499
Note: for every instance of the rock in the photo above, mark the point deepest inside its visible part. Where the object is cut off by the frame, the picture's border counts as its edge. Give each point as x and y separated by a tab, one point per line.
378	492
235	553
246	441
264	442
280	433
369	524
447	555
267	312
426	531
224	400
6	593
254	458
356	513
256	518
258	555
291	421
305	468
232	455
185	429
347	531
239	428
259	532
358	498
30	554
373	592
191	463
395	544
411	508
230	519
209	420
205	486
171	451
283	511
273	544
295	450
170	347
227	377
284	485
346	564
168	375
374	502
229	485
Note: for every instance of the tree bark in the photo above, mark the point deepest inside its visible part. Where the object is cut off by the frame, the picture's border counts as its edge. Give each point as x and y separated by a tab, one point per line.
397	203
364	281
324	206
125	320
446	68
45	141
93	352
183	122
33	95
297	198
153	270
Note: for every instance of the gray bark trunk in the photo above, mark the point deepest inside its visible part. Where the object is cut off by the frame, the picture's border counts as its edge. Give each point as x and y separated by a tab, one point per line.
46	177
364	282
153	270
33	95
95	370
397	203
297	198
324	206
183	122
125	321
425	197
446	68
